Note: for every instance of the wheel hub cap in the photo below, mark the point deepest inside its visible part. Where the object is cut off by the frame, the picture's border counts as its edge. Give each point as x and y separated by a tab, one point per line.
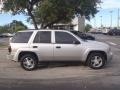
28	63
96	61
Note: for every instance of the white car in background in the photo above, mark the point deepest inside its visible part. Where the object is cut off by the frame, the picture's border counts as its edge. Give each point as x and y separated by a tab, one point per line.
105	31
6	35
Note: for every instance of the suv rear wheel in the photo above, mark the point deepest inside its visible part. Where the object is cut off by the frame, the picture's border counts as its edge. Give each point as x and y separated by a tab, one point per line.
29	62
96	60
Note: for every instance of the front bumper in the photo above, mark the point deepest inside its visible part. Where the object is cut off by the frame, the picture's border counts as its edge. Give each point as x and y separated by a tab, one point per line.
109	57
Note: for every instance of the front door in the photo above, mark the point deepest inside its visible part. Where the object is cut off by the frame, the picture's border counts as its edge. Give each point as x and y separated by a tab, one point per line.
65	48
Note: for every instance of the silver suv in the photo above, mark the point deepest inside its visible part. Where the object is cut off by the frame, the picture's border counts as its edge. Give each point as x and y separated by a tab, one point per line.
31	47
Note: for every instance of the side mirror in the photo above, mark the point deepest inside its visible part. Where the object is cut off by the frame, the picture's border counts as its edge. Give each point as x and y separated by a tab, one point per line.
76	42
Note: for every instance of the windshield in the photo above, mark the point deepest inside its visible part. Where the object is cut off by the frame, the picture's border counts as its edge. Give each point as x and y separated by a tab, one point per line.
79	35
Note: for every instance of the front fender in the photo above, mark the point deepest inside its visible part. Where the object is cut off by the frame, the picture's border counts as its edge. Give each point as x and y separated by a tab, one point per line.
85	55
88	51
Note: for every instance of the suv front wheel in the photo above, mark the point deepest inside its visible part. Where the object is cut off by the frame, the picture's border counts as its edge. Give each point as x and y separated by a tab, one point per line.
29	62
96	60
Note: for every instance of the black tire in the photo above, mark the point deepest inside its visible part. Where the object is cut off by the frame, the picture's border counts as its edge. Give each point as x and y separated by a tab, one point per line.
31	60
97	63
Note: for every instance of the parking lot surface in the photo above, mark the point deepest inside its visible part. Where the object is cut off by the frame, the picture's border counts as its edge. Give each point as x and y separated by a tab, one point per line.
78	75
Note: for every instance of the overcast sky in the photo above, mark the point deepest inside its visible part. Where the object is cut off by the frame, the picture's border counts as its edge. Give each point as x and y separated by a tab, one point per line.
104	11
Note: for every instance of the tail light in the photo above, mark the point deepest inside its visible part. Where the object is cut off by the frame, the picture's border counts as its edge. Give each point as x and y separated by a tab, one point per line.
9	49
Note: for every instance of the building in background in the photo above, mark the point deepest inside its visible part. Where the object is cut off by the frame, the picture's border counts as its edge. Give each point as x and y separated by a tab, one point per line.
81	23
64	26
78	24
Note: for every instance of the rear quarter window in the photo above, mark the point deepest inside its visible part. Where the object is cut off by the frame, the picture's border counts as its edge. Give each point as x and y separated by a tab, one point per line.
21	37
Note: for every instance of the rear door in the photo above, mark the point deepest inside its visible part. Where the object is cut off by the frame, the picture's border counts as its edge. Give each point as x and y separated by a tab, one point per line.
43	44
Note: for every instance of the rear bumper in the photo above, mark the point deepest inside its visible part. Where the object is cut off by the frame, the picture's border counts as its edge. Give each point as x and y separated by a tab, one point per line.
11	57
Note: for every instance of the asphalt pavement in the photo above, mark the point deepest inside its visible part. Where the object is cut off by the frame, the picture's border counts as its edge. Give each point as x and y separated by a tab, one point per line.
63	76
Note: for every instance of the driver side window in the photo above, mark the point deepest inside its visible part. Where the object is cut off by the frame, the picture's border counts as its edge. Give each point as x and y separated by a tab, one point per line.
64	38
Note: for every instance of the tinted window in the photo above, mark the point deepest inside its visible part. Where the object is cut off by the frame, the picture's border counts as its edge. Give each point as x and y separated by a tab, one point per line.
43	37
21	37
64	38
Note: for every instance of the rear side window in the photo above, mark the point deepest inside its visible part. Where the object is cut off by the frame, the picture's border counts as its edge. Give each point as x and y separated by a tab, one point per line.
43	37
21	37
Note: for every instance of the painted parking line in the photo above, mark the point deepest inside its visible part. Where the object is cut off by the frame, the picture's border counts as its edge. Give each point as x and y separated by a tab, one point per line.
111	43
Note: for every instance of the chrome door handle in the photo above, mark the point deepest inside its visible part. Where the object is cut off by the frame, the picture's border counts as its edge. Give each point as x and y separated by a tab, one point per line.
58	47
35	46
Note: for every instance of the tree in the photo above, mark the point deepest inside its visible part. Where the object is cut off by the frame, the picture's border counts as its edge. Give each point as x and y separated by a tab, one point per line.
14	26
4	29
50	12
21	6
53	11
88	27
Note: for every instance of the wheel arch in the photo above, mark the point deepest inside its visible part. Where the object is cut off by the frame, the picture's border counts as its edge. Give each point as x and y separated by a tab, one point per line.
96	51
26	52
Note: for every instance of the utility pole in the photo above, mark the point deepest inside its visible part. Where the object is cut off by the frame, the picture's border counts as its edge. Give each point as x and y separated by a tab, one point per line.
118	18
101	21
111	18
94	22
